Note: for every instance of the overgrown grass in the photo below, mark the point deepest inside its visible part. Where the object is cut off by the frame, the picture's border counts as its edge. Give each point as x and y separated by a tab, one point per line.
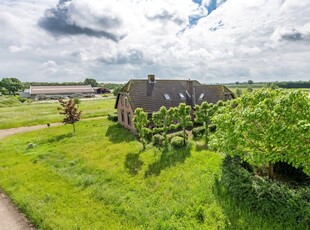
8	101
42	113
99	179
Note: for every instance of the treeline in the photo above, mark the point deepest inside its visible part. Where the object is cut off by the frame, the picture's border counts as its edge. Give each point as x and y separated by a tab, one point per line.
293	84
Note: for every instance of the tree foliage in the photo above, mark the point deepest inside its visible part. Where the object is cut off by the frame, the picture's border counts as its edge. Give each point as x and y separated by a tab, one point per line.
71	113
117	90
184	118
140	122
265	127
91	81
163	119
11	85
203	114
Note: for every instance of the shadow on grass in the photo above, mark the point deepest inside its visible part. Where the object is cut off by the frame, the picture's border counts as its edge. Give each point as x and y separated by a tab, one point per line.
57	138
167	159
132	163
118	134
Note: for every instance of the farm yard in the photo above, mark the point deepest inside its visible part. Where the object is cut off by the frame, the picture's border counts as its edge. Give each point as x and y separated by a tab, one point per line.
99	178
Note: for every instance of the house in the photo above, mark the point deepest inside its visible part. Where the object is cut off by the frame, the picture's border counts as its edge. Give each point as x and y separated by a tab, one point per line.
150	94
59	92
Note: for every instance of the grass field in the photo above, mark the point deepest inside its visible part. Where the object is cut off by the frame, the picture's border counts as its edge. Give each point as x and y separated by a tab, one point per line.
41	113
99	179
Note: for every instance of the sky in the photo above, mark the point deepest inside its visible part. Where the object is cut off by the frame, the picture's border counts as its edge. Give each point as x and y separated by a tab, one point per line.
213	41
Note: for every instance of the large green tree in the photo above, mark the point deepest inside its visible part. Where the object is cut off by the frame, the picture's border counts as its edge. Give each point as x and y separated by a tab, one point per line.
266	127
141	121
184	118
91	81
11	85
163	119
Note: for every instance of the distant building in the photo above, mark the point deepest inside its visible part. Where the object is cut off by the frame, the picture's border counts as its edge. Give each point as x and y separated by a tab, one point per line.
101	90
151	94
58	92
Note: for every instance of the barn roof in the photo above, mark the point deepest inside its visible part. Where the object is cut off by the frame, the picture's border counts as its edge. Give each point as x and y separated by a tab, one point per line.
61	89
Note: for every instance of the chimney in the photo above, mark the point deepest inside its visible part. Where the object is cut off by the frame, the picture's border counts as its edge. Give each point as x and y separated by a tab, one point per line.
151	78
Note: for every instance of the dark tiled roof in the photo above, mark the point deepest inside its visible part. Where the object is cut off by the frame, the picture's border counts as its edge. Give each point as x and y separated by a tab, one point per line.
212	93
150	96
61	89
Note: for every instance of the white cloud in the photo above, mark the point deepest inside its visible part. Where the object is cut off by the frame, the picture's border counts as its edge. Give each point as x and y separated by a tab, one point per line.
118	40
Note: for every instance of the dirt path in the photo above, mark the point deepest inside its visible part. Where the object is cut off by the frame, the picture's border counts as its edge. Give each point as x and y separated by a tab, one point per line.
9	132
10	217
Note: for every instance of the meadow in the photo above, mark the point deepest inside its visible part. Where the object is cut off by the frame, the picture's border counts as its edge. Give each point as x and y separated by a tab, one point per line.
98	178
15	114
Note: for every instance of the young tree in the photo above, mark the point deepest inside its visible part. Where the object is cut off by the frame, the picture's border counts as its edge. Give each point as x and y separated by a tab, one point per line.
203	114
184	118
140	122
77	101
163	119
265	127
72	115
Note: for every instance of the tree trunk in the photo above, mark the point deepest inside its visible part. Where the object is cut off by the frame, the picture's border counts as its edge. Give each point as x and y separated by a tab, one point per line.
184	137
73	127
271	170
206	133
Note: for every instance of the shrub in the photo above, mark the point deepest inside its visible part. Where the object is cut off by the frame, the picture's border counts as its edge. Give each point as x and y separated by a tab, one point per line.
174	126
198	132
158	140
148	135
157	130
113	117
21	99
177	142
267	197
176	134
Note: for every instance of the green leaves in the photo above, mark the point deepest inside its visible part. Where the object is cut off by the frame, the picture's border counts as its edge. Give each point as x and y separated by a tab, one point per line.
266	126
141	121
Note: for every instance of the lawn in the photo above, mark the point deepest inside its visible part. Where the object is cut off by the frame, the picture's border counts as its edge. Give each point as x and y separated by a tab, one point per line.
41	113
99	179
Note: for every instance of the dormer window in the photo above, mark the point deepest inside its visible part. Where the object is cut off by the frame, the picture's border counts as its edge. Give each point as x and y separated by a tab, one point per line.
181	95
187	93
167	97
201	96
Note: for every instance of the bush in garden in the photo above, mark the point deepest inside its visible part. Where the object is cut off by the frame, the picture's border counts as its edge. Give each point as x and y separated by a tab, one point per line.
158	140
198	132
113	117
177	142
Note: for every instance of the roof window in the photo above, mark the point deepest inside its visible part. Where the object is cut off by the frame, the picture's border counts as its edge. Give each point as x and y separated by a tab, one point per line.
167	97
182	96
201	96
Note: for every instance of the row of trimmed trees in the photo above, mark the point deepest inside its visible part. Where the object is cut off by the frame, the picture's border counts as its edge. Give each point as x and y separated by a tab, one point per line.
168	119
262	128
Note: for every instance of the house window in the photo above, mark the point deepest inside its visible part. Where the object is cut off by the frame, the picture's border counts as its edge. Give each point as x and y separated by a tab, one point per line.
122	115
181	95
126	101
167	97
129	119
201	96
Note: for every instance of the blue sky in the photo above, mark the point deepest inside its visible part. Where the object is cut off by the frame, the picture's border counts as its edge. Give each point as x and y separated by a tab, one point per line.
113	41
